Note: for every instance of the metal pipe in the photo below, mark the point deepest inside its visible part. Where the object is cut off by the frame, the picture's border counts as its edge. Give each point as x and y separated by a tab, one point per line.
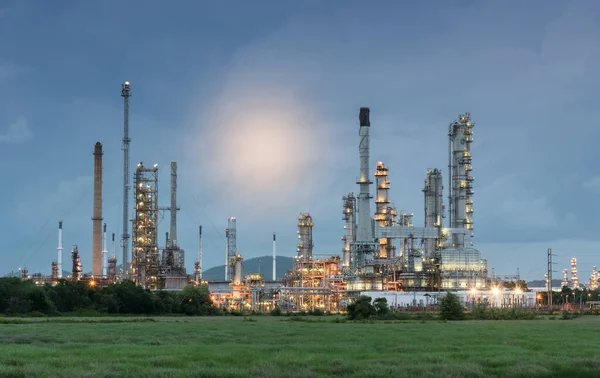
126	94
97	215
59	249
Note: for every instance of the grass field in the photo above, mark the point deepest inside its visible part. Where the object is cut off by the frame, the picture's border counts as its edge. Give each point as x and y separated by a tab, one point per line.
276	347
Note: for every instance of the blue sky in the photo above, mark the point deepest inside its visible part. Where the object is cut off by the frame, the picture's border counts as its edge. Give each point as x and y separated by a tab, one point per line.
258	103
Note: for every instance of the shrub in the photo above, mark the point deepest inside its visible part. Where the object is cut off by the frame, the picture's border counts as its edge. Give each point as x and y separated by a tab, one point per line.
381	306
316	312
451	308
276	311
361	308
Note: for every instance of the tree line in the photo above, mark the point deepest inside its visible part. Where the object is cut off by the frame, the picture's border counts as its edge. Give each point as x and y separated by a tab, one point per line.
18	297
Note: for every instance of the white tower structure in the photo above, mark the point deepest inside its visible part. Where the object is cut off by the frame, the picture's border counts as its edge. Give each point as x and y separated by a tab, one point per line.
59	249
574	278
104	253
461	181
565	280
364	230
385	214
274	258
200	252
349	216
364	248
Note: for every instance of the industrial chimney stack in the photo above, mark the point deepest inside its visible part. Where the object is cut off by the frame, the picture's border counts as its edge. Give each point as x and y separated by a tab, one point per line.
97	217
59	249
274	259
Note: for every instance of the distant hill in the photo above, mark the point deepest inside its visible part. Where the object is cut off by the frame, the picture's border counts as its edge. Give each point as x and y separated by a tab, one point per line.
542	283
265	266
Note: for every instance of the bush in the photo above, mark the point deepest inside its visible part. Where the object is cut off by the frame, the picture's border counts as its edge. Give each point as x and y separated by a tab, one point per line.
381	306
316	312
361	308
483	312
276	311
451	307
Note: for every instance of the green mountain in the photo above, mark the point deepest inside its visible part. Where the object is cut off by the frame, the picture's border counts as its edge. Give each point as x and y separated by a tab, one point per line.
262	264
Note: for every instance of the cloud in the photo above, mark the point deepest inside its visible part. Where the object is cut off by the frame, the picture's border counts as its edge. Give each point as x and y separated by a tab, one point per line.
505	202
592	183
17	132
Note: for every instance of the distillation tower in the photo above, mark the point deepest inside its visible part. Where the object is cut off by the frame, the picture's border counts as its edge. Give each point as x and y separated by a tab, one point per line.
385	213
112	263
126	94
574	278
305	239
230	245
565	280
77	266
104	253
349	217
434	208
173	257
593	283
145	256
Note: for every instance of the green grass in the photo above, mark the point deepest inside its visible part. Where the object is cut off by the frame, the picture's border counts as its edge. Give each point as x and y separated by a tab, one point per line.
276	347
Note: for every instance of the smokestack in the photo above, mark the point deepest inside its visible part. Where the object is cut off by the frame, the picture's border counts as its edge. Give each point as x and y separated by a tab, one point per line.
364	232
274	259
113	245
104	253
59	249
173	227
97	217
200	253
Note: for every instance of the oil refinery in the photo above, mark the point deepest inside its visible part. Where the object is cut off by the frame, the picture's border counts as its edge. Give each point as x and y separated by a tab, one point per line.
382	250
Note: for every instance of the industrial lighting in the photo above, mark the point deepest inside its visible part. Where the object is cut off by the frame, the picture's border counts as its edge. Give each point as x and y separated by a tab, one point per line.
495	290
518	290
473	291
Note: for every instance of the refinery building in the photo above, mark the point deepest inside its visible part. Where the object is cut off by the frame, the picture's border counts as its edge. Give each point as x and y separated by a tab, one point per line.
382	253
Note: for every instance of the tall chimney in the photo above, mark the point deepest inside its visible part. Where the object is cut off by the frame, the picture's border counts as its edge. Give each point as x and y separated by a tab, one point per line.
274	260
104	253
97	217
364	230
173	208
59	249
200	254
